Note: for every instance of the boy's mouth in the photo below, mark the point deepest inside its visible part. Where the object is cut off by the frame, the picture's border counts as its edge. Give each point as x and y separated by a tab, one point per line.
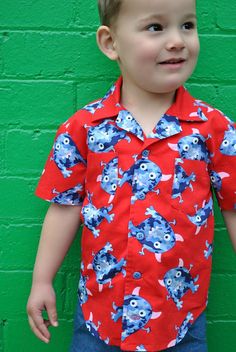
172	61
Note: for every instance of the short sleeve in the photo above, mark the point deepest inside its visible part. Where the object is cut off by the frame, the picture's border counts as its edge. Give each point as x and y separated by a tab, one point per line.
63	178
223	160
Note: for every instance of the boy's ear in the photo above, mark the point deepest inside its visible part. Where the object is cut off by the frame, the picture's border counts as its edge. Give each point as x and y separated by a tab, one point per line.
106	43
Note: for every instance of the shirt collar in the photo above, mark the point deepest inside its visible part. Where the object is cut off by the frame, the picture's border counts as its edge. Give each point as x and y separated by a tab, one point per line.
185	107
109	106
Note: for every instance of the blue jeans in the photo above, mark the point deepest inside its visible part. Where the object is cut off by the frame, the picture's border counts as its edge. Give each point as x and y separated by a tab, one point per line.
83	341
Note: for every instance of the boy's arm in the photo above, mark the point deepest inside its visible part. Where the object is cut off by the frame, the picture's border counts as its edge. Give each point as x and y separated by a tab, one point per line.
230	221
58	231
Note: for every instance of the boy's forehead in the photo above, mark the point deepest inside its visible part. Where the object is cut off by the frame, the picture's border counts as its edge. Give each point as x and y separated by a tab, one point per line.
133	7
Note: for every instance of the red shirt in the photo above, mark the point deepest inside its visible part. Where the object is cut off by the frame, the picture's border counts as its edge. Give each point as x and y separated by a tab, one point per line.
147	213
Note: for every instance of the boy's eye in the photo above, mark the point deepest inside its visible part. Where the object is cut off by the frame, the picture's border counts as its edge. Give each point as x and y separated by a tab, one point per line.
155	27
189	25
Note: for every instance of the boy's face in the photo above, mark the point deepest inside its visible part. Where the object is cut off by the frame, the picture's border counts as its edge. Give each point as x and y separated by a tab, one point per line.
149	33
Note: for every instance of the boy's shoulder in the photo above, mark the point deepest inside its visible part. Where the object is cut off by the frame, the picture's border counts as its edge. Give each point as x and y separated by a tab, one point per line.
97	109
204	111
188	108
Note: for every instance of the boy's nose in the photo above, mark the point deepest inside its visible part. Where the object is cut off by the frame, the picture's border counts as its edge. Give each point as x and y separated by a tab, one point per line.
175	41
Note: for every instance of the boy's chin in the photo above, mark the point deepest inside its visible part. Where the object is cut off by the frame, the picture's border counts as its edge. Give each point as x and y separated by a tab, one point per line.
171	86
167	89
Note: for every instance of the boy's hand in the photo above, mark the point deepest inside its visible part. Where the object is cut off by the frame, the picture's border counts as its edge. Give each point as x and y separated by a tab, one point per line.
42	297
59	229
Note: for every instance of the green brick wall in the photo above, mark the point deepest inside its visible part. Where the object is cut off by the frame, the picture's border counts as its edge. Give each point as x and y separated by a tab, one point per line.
49	68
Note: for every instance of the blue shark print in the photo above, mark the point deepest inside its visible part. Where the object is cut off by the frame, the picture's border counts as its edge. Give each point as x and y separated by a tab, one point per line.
140	348
106	266
216	181
109	178
93	329
201	104
181	181
94	216
182	330
178	281
154	234
93	106
102	138
201	216
136	313
192	147
228	145
144	175
69	197
66	154
109	93
199	113
83	291
126	121
167	126
208	252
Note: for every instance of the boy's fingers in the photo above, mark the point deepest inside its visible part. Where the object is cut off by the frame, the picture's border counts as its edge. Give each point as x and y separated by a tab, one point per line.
41	332
37	321
52	313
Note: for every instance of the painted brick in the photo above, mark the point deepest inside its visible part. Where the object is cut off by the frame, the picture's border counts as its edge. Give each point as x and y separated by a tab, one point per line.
18	331
56	14
219	220
23	240
15	284
72	260
226	15
89	92
206	15
71	298
205	92
221	336
26	205
1	335
86	14
41	54
217	58
32	147
18	245
224	259
50	67
23	13
53	55
222	303
36	103
227	95
219	96
2	151
2	37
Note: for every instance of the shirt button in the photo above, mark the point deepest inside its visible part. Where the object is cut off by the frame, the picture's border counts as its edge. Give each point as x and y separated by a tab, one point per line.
137	275
140	236
145	153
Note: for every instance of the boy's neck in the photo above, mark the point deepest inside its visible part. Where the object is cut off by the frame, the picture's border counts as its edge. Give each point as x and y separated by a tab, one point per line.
135	99
133	96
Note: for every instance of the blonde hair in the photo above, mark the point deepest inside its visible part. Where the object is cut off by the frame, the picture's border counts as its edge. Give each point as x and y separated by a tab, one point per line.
108	11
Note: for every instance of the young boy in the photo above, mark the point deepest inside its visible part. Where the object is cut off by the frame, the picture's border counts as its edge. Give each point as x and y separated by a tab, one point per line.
136	167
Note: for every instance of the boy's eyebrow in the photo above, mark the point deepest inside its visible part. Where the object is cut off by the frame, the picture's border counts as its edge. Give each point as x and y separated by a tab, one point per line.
191	15
158	17
152	18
